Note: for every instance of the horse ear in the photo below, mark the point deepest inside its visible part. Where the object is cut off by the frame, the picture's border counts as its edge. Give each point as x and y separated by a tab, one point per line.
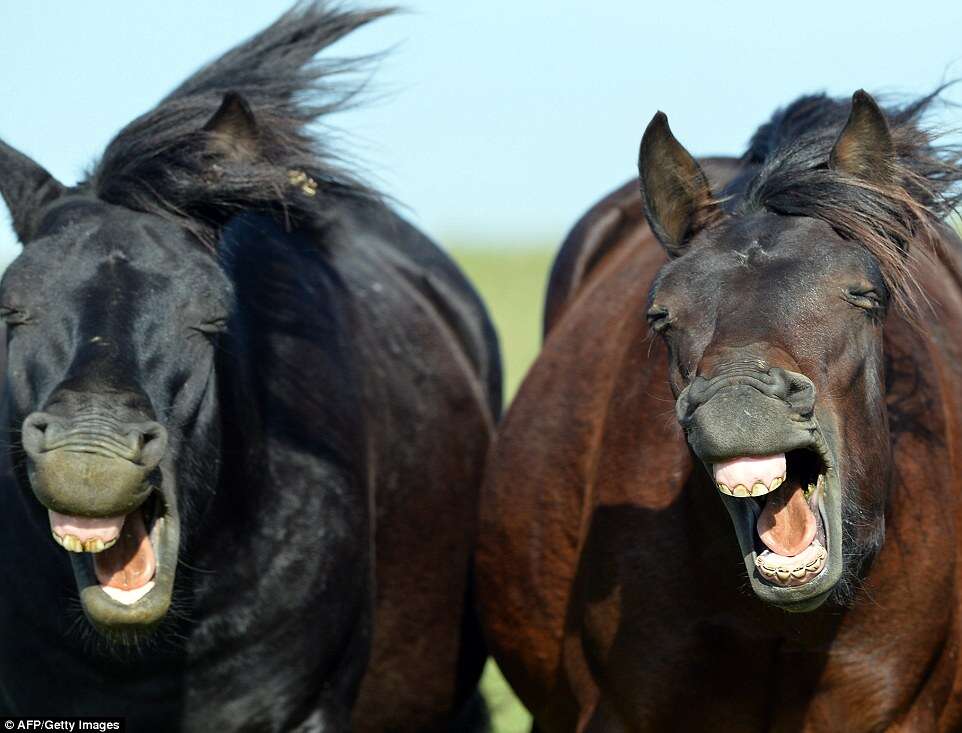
864	148
233	129
26	188
676	195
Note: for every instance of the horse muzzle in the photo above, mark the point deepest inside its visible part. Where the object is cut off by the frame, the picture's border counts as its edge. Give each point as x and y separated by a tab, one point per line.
90	464
754	428
100	479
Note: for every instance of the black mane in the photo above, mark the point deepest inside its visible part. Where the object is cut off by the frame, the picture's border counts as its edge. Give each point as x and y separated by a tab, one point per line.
162	163
805	114
787	171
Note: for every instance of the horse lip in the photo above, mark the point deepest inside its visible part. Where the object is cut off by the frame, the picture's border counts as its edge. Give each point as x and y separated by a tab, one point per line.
109	615
105	485
811	595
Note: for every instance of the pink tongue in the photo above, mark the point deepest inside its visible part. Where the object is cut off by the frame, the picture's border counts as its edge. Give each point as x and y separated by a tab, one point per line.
786	524
86	528
131	563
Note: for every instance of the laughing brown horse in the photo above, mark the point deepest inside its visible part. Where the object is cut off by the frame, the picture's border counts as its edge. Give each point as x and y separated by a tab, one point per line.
744	514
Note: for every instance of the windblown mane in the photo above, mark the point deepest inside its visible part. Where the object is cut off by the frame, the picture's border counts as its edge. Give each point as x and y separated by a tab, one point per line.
898	222
162	163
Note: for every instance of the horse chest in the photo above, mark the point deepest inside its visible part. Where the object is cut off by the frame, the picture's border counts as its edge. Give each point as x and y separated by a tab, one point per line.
714	678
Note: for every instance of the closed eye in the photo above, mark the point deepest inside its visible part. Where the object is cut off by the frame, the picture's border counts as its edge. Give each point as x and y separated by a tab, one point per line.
867	298
212	327
13	316
658	318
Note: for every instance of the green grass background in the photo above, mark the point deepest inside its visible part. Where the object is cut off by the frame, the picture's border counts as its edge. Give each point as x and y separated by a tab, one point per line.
512	283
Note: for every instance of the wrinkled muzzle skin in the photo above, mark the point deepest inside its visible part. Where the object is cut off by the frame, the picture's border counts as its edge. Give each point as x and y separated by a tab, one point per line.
111	380
87	461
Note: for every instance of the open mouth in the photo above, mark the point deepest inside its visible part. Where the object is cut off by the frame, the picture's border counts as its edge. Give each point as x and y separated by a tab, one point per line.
786	512
124	565
786	492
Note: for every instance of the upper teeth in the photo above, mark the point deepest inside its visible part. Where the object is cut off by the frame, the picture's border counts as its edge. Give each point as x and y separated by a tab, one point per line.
757	489
75	544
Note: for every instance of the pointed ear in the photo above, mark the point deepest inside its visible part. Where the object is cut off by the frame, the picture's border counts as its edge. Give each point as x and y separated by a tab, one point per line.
675	192
27	188
233	129
864	148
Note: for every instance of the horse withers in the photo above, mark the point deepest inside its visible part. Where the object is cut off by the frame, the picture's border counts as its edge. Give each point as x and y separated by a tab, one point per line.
727	496
248	409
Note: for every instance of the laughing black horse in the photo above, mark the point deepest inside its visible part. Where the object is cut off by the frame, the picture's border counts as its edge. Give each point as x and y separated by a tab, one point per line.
248	409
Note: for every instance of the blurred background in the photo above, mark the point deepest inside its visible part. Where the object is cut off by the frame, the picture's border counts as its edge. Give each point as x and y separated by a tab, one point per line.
493	124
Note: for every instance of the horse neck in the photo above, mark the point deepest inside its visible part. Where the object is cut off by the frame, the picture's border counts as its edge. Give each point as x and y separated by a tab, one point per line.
286	377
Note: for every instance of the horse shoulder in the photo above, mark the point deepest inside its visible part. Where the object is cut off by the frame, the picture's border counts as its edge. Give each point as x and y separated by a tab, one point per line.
540	489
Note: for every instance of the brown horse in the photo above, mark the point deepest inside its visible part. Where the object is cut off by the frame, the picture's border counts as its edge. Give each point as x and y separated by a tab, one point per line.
801	385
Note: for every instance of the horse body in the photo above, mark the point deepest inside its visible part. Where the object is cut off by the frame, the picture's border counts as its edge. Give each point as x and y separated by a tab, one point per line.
346	394
601	536
416	326
447	347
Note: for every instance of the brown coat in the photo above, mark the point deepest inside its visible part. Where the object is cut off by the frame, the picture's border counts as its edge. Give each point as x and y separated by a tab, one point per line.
613	593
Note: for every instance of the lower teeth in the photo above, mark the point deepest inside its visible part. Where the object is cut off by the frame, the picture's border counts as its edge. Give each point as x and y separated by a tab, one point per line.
780	573
128	597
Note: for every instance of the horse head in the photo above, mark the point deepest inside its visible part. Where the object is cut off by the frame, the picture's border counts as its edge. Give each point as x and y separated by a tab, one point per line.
772	307
113	317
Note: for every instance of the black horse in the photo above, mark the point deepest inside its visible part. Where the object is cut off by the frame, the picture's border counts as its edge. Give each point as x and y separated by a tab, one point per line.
251	405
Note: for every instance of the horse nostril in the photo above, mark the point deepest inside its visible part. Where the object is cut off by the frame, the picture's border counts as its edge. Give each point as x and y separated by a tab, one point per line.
33	434
153	443
781	383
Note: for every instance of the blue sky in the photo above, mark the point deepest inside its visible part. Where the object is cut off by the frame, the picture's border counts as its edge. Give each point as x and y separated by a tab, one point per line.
494	122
